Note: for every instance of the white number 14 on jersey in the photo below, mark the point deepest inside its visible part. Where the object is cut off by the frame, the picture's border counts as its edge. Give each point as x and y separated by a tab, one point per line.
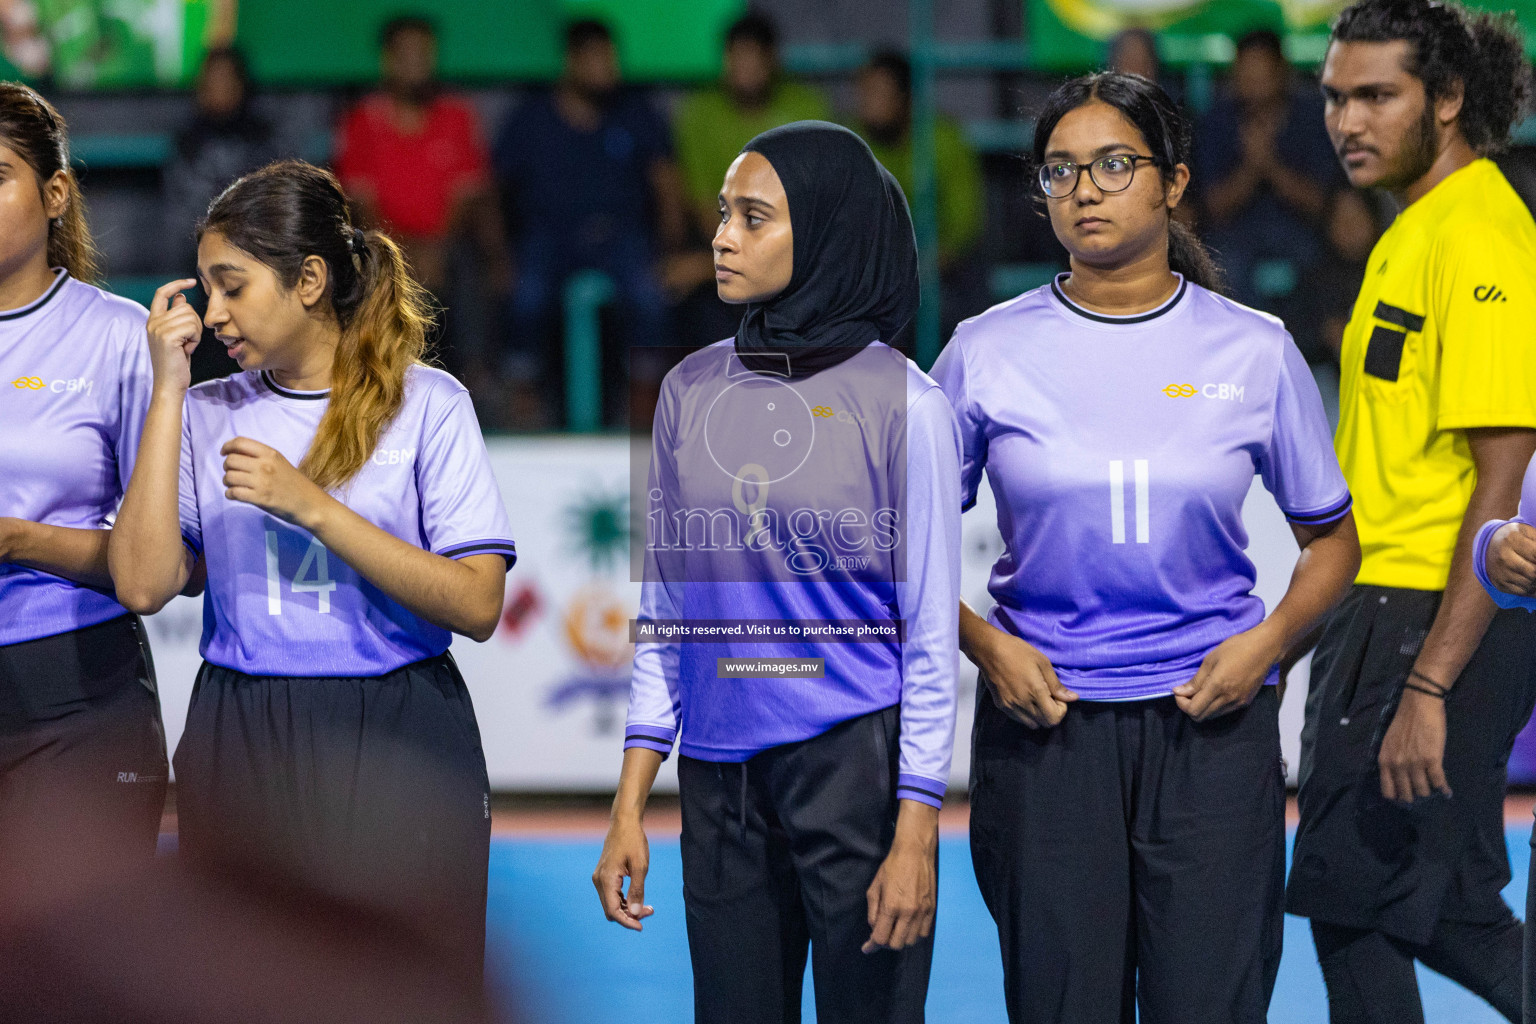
317	560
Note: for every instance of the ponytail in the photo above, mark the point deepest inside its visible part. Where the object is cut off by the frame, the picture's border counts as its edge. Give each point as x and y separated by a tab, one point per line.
282	215
1188	255
387	334
31	127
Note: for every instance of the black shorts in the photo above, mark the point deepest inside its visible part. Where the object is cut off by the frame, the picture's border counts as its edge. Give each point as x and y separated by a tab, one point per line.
82	754
1132	858
1362	862
370	792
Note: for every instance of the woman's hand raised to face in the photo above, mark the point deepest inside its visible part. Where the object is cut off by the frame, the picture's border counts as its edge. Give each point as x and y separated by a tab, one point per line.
174	331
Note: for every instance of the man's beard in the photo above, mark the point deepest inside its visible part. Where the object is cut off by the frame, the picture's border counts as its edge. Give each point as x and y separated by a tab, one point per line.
1420	149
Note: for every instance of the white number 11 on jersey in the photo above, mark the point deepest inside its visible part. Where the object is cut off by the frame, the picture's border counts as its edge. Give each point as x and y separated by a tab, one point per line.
1117	502
317	558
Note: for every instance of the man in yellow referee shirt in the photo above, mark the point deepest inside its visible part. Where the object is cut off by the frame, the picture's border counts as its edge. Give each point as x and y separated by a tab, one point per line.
1418	685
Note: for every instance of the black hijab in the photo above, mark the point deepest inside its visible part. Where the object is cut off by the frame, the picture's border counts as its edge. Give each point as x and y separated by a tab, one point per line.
855	272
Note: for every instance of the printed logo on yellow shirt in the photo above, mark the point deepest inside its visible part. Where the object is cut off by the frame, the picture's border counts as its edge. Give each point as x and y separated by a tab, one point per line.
1489	293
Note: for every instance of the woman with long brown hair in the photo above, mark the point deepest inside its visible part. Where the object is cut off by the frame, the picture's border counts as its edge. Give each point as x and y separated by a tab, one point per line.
82	753
338	494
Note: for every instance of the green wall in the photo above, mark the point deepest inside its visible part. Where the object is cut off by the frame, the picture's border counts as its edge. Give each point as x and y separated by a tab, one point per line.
131	44
335	41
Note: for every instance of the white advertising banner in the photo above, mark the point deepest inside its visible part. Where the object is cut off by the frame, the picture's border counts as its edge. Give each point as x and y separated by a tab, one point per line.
550	688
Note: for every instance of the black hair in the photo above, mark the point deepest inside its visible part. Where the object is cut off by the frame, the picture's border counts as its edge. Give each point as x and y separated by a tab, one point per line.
36	131
1168	136
584	32
754	27
1266	39
1450	46
401	24
896	65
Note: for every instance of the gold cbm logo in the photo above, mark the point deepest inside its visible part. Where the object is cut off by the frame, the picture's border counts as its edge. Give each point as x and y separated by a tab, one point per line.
77	385
1219	392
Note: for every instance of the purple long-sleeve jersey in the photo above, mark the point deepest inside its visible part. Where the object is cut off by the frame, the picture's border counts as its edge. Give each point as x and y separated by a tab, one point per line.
277	603
74	389
1120	450
1524	515
833	497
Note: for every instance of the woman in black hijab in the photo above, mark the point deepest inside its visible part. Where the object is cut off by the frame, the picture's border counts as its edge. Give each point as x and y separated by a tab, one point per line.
854	272
803	500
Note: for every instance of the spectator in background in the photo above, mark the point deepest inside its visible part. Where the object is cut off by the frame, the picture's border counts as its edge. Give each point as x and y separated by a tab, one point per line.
752	97
224	139
1264	152
1317	314
1133	51
589	181
884	91
884	119
1350	230
712	125
413	160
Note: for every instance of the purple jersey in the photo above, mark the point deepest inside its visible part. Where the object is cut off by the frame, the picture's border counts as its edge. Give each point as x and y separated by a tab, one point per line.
74	388
1527	515
1120	451
277	603
845	507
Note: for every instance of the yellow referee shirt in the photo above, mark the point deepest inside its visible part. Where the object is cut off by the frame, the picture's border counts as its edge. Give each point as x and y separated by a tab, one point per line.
1442	339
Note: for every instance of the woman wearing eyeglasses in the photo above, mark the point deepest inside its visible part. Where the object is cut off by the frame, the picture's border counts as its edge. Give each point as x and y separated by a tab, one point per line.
1127	815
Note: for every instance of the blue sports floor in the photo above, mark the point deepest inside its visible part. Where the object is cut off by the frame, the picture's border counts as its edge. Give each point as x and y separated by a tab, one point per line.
573	967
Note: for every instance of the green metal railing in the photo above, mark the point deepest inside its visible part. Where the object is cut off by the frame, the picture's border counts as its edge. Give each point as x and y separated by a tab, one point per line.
586	293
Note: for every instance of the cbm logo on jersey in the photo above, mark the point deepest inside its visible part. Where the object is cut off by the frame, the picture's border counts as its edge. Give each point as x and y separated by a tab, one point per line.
73	386
1489	293
823	412
393	456
1216	392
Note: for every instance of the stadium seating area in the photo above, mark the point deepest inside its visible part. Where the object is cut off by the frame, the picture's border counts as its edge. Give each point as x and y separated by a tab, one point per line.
992	63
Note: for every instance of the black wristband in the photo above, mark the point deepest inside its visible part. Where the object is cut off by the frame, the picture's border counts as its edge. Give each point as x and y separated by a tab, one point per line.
1437	694
1440	691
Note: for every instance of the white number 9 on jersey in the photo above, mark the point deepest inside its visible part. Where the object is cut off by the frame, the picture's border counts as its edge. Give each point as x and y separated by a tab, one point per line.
317	560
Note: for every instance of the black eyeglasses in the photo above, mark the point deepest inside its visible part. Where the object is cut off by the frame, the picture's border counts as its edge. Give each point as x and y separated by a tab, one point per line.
1113	173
